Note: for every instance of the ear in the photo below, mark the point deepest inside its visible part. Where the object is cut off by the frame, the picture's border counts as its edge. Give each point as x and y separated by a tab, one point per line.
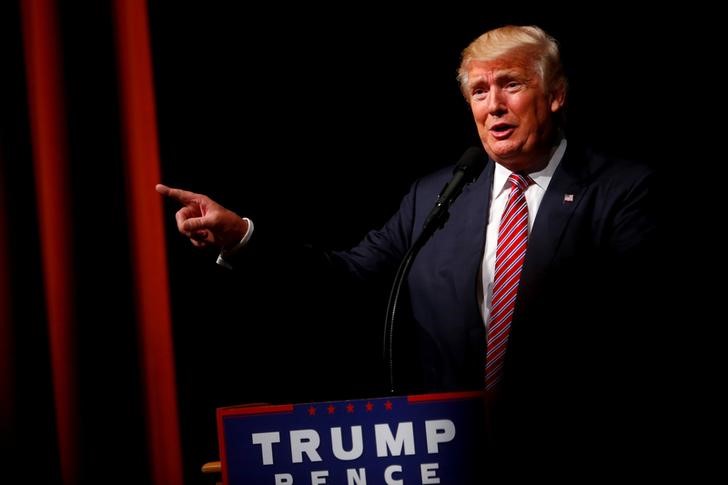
558	97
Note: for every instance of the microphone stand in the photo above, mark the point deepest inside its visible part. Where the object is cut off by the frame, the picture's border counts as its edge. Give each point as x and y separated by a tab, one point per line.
467	169
429	229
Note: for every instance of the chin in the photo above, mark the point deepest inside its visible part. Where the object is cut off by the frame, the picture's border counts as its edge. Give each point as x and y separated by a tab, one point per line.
512	160
505	148
507	157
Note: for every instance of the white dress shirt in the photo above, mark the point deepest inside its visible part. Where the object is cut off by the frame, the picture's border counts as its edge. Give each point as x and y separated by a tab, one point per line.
500	192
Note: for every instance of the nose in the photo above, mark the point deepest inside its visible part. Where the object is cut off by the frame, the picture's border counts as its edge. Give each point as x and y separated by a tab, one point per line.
496	102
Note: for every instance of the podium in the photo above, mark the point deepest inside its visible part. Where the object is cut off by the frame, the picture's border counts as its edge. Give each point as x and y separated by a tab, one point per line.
417	439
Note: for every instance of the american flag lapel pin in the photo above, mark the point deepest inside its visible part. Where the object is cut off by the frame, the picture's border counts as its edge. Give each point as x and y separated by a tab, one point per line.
568	198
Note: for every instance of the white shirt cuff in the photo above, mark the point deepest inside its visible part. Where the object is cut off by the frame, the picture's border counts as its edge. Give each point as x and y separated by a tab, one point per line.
224	253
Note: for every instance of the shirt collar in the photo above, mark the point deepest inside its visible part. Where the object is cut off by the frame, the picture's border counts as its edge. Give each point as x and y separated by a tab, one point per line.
541	178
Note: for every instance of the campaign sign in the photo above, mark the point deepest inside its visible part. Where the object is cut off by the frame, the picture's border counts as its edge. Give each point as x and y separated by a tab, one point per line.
420	439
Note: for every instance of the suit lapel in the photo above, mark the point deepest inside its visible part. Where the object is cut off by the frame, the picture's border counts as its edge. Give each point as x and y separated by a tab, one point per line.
560	201
475	205
479	204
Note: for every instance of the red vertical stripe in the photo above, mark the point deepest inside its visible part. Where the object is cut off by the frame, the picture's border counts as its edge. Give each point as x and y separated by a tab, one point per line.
7	383
147	238
47	122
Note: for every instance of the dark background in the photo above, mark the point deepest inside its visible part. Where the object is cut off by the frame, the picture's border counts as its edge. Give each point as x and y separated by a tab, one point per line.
317	123
312	121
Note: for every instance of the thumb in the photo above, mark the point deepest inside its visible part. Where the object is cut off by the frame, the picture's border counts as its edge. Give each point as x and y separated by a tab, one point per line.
195	224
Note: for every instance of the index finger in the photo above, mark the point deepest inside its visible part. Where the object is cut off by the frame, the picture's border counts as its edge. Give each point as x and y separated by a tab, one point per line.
182	196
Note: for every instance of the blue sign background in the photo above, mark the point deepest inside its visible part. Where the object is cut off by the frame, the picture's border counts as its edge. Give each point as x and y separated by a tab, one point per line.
458	461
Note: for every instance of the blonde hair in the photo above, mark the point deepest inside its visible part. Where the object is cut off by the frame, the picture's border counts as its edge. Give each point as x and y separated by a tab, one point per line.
529	39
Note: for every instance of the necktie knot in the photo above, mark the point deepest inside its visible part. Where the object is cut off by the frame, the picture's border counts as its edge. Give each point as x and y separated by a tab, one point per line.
521	182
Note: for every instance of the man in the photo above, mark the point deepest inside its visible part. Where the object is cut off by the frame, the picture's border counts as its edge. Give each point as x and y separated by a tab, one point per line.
530	289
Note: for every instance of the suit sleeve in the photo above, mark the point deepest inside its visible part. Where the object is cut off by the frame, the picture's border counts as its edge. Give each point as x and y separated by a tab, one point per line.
634	229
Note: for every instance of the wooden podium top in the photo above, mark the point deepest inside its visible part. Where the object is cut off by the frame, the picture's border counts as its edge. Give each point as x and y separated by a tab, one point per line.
213	467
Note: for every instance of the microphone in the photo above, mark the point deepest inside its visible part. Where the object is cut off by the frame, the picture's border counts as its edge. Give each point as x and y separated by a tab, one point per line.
466	170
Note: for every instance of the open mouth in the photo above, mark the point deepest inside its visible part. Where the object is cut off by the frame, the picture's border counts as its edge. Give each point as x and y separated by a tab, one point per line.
501	130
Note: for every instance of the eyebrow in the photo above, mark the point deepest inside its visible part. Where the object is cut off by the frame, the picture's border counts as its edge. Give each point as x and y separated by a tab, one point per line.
503	74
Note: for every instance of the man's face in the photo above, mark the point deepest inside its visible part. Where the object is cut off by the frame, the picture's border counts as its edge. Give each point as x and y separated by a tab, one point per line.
513	111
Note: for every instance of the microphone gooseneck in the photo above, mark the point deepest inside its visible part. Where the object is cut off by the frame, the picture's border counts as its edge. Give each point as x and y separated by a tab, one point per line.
467	169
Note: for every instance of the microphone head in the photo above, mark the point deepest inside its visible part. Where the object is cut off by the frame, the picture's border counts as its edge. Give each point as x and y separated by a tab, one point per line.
471	162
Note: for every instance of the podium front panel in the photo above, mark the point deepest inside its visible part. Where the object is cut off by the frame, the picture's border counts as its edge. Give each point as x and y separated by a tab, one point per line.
419	439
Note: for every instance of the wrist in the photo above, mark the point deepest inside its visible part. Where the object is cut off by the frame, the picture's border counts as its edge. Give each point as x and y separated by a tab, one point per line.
227	252
237	236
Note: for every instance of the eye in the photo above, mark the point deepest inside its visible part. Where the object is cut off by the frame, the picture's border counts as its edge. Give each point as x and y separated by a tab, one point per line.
514	85
479	93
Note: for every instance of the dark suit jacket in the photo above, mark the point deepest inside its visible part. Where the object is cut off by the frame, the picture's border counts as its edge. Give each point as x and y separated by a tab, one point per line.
579	350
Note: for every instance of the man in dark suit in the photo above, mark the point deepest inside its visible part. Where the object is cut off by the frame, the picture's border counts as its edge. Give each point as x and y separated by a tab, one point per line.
550	317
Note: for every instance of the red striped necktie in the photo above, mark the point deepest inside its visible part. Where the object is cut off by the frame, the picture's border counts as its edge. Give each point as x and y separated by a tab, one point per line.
509	255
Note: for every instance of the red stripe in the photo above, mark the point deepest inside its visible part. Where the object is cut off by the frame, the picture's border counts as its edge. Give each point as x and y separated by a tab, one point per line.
47	122
444	396
253	409
147	239
222	446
